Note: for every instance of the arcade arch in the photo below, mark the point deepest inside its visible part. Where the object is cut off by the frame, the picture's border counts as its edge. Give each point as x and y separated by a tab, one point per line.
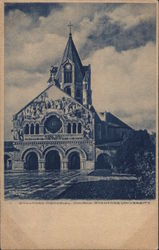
52	160
53	157
74	161
31	162
102	161
75	158
31	158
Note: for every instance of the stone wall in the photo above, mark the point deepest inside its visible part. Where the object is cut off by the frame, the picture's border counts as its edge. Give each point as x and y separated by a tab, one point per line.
85	148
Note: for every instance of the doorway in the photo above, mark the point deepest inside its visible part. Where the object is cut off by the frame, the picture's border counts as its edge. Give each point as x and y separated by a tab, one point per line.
31	161
52	160
74	161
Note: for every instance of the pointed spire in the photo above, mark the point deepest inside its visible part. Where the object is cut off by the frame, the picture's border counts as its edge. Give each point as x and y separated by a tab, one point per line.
70	53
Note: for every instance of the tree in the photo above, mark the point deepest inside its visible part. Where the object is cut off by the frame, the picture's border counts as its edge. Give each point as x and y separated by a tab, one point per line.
145	168
138	142
136	156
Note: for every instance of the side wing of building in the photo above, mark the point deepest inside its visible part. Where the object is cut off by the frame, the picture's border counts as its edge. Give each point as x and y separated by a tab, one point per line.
109	128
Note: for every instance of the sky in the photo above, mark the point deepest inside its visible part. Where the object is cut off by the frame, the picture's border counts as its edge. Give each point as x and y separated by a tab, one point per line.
118	40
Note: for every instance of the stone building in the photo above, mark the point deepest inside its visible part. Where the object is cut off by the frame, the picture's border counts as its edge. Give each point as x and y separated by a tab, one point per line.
60	129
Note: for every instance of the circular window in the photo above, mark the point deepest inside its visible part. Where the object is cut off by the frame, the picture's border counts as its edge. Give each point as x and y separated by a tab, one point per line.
53	124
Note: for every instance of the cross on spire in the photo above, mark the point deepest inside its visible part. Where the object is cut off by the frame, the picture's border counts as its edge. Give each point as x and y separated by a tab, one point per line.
70	27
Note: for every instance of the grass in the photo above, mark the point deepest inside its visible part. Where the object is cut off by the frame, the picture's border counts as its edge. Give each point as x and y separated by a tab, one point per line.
110	190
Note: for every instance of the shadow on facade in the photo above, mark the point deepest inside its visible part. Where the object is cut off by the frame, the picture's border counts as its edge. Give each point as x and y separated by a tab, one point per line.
7	162
52	160
74	161
31	161
103	162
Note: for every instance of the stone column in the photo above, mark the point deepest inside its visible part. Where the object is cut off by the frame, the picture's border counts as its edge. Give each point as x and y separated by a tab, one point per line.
83	164
73	94
41	165
17	165
64	165
41	129
71	128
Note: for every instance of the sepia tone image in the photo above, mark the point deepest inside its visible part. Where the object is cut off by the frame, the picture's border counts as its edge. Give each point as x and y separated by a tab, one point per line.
80	101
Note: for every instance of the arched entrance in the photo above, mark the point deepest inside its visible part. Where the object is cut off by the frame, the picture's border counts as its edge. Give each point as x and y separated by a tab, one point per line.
74	161
7	162
31	162
103	162
52	160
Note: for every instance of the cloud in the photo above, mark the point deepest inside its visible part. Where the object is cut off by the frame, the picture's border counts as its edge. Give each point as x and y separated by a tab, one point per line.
32	45
112	34
129	15
24	79
35	9
124	84
39	55
94	28
16	98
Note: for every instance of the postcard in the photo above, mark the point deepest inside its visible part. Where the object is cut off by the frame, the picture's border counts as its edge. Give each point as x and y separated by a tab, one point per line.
79	116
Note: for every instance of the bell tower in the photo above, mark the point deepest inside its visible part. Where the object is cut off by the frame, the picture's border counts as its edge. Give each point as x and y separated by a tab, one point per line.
72	76
87	92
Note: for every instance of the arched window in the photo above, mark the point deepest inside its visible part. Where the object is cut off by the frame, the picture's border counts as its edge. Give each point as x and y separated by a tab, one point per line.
26	130
78	95
99	131
68	73
69	128
68	90
74	128
32	129
79	128
37	129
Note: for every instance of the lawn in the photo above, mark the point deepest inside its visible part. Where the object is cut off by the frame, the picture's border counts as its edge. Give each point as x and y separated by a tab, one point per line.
109	190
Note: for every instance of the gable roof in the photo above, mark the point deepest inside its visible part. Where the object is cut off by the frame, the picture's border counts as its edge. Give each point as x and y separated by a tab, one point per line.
110	119
33	100
46	89
113	120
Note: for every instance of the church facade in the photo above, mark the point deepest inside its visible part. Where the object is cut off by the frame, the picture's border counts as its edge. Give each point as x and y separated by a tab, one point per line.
60	129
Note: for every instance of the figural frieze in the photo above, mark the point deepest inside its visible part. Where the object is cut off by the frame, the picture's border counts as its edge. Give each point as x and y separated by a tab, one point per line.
43	105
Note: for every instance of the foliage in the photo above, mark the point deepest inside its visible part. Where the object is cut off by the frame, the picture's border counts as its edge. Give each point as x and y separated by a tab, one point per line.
138	142
136	156
153	137
146	175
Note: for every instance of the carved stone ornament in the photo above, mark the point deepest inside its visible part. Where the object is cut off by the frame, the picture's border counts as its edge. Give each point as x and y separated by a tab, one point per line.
42	106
